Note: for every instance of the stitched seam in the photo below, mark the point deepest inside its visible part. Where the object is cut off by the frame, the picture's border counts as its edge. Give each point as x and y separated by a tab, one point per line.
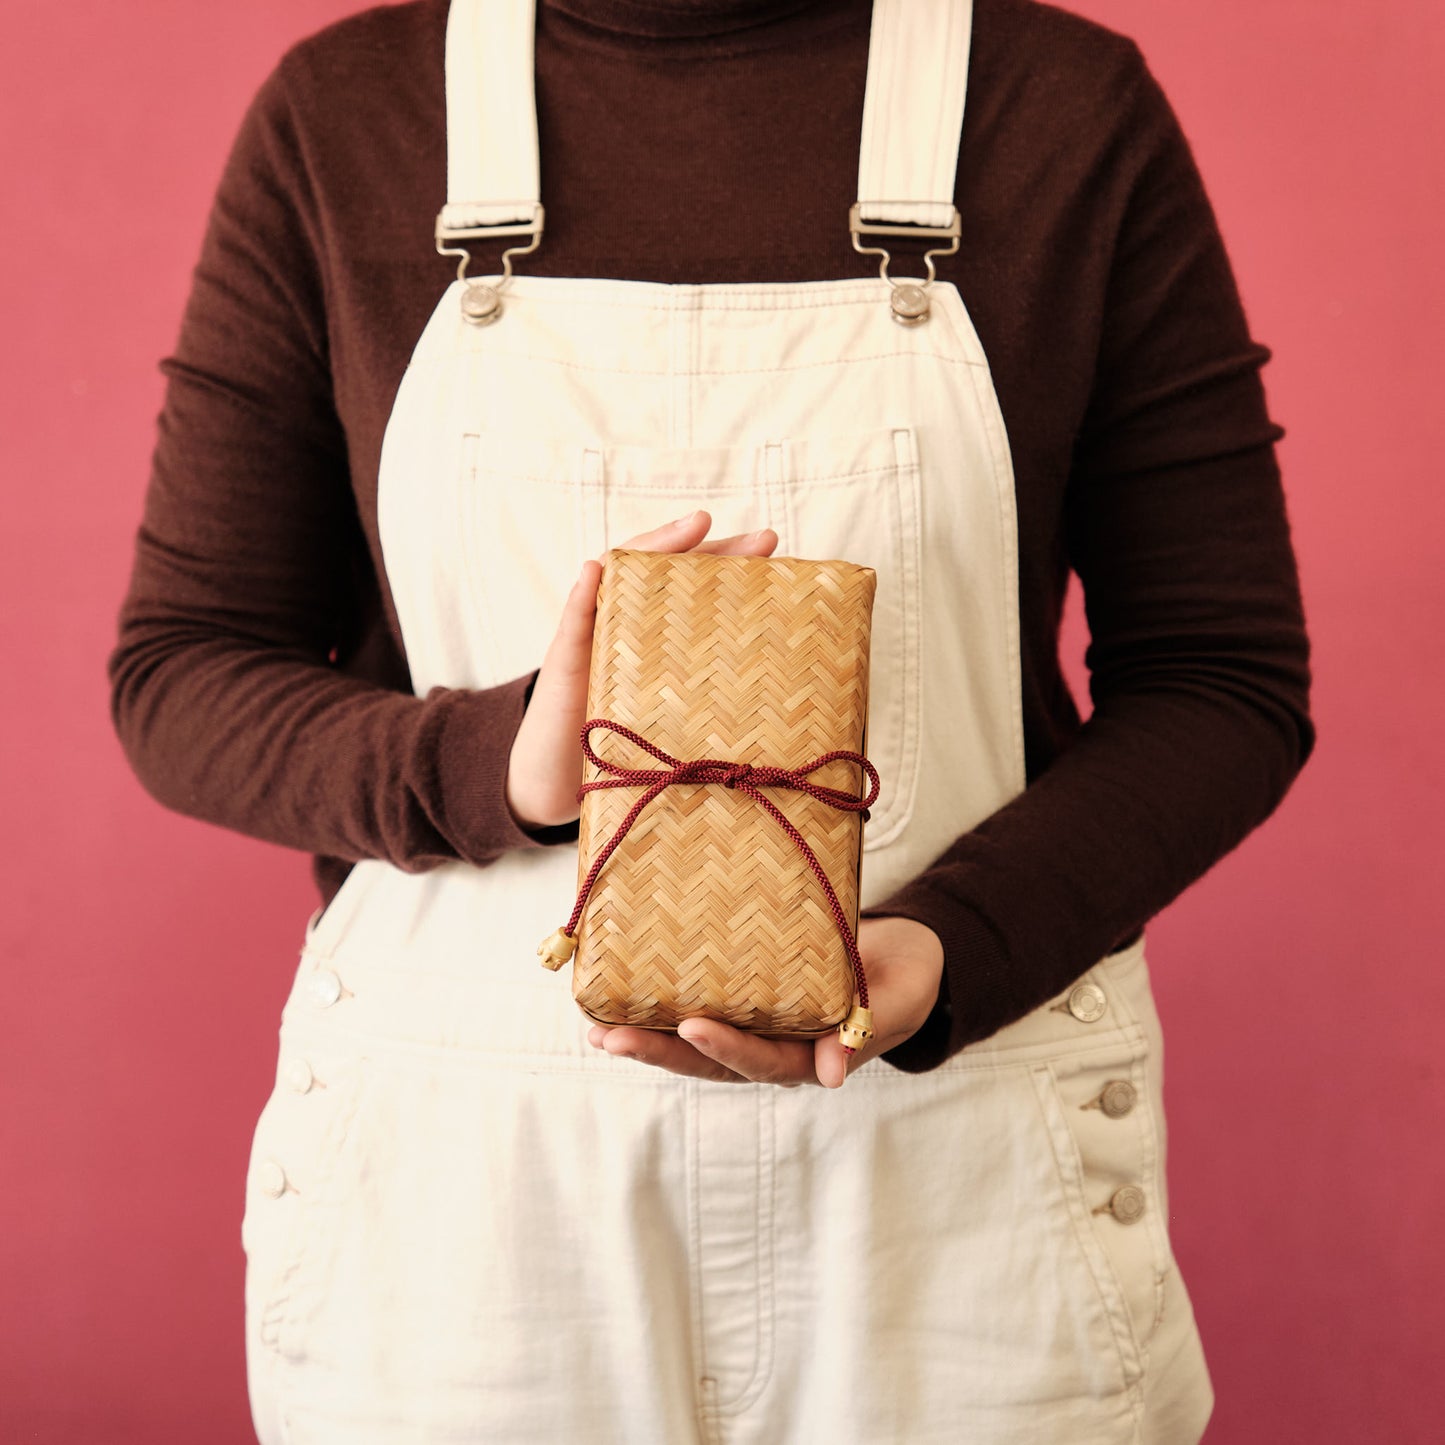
763	1319
1006	501
613	369
710	296
669	488
693	1145
479	588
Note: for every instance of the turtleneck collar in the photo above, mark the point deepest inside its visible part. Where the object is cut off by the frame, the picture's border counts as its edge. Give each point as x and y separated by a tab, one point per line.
681	19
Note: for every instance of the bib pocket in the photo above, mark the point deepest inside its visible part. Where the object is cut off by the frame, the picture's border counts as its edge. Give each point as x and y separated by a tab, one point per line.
532	510
857	496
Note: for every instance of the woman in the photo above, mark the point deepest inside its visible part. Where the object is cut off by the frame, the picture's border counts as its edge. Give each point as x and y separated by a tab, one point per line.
470	1215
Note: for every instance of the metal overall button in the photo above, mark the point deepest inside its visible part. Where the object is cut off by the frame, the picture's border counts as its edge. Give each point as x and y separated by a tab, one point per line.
1117	1098
1086	1001
1126	1204
908	301
481	302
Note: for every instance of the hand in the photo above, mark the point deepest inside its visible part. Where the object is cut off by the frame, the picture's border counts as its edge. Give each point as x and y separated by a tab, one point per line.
904	963
544	770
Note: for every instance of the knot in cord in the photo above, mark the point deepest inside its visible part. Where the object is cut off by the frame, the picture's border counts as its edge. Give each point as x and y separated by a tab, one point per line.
737	773
743	776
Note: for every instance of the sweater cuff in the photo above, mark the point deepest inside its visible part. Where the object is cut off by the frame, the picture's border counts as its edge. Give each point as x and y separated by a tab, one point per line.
474	751
974	993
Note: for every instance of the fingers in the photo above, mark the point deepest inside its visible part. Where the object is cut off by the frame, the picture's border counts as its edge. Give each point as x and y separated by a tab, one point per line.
687	533
569	655
678	536
764	1061
831	1061
708	1049
662	1050
747	544
545	766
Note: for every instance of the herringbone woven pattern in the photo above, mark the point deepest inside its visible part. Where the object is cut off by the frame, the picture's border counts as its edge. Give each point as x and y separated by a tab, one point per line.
707	907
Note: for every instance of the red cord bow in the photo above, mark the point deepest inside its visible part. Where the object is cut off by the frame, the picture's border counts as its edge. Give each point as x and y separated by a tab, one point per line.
747	778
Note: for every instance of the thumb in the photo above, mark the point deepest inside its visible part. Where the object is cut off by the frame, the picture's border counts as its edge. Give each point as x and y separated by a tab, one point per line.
562	680
831	1061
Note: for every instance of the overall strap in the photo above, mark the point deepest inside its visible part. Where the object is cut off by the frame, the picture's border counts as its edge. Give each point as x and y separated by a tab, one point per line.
913	104
492	166
913	110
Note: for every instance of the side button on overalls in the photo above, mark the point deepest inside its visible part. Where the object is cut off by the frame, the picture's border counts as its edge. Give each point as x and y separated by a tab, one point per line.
462	1223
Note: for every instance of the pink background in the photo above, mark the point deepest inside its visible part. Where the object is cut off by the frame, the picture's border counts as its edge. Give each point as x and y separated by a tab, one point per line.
147	956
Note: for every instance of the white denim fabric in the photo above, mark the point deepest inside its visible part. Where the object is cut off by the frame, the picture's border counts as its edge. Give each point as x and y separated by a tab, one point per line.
463	1223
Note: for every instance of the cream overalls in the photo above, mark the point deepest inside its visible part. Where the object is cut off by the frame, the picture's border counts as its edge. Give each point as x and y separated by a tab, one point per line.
462	1222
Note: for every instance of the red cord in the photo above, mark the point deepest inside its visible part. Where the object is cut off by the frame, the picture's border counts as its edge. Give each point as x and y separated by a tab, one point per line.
747	778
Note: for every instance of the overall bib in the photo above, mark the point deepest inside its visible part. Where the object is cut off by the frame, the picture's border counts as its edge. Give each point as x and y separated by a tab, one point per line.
462	1222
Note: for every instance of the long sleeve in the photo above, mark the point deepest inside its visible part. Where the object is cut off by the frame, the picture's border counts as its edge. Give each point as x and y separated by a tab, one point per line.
229	678
1198	660
258	680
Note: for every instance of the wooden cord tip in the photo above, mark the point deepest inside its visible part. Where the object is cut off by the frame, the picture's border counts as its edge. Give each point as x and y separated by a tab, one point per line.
857	1028
556	949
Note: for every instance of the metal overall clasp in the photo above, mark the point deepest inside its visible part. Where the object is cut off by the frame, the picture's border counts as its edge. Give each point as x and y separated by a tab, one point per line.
481	300
909	301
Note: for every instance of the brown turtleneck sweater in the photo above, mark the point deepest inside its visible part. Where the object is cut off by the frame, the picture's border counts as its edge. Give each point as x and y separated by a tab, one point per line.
258	678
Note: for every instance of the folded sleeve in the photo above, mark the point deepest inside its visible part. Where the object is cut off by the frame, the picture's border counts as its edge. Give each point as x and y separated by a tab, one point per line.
1199	667
228	686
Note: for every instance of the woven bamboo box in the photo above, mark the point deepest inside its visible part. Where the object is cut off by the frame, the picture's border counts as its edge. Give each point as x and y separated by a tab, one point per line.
707	906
